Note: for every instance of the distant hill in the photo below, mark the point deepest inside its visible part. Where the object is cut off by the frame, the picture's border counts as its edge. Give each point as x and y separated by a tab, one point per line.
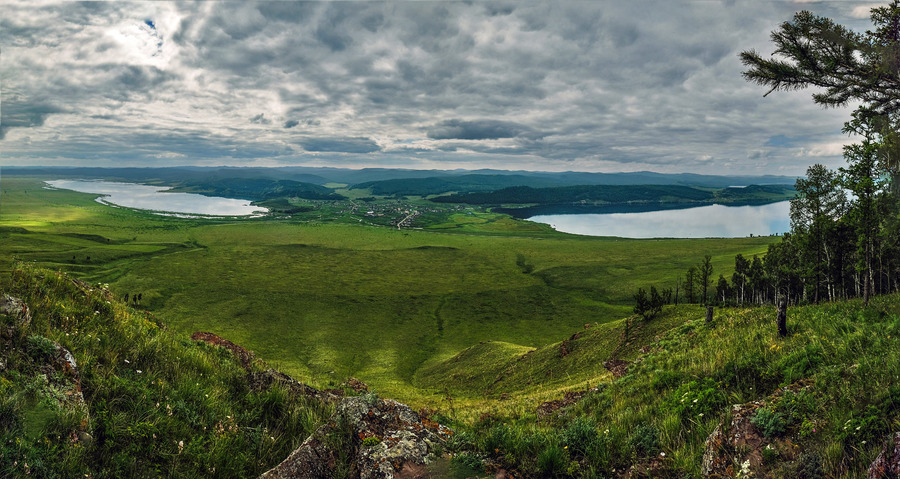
594	194
491	180
171	176
464	183
608	195
456	180
258	189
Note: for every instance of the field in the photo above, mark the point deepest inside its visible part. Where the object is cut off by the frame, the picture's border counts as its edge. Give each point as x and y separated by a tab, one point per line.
330	298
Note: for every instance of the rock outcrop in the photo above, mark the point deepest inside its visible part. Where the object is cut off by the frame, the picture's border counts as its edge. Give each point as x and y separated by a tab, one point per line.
558	406
260	381
738	447
887	464
53	365
369	438
242	355
14	315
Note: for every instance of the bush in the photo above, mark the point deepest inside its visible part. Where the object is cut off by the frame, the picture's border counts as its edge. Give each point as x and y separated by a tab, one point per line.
770	423
810	466
648	306
866	426
645	440
580	437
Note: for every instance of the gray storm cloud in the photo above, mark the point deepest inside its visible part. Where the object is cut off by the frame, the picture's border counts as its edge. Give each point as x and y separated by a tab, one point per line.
599	86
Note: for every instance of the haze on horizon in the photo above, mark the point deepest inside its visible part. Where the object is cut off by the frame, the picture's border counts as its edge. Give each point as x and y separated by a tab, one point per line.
551	86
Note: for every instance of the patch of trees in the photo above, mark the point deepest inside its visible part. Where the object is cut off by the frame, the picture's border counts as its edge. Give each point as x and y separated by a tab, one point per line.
845	224
754	194
844	239
649	305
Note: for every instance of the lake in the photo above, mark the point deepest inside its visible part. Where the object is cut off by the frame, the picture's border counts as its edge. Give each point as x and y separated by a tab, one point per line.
158	200
712	221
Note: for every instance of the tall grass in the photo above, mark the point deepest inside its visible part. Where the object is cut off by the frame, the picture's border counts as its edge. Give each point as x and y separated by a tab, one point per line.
155	405
840	358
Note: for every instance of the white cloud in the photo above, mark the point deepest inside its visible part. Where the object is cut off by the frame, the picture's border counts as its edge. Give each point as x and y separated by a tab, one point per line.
601	86
864	11
827	149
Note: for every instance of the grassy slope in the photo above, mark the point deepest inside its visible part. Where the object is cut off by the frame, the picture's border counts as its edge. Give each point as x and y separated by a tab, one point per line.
682	387
156	404
326	301
490	369
847	351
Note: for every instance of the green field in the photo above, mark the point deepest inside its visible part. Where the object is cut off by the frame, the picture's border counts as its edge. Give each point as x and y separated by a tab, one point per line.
324	300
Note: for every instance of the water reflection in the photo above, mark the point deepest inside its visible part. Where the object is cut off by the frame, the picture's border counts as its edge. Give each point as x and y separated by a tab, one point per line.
701	222
155	198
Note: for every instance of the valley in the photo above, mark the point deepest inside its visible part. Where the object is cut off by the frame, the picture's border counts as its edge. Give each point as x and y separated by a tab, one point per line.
326	298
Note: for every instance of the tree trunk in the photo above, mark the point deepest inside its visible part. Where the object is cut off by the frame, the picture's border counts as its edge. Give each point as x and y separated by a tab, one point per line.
782	317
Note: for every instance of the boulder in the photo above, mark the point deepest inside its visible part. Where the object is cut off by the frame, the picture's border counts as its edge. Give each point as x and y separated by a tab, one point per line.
887	464
14	315
372	437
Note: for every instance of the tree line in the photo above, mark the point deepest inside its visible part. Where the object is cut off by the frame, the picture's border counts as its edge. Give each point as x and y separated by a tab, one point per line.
845	223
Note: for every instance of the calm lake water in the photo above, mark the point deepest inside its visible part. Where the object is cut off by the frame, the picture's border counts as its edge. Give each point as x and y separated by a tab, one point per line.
713	221
155	198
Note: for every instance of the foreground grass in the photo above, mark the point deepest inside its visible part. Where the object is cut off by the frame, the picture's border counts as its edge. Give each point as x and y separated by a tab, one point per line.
154	405
675	395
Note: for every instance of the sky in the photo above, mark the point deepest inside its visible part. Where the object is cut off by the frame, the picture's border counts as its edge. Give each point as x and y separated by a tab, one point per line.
598	86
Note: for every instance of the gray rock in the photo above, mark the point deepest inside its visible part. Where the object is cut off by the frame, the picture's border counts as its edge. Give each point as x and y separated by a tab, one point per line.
14	315
401	448
887	464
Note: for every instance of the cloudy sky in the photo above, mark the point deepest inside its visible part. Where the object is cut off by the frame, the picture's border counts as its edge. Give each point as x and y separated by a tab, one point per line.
585	86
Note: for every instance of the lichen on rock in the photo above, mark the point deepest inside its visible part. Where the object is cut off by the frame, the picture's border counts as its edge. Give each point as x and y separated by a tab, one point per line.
403	447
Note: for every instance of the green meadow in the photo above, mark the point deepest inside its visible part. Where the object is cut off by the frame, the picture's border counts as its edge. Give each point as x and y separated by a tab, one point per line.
328	298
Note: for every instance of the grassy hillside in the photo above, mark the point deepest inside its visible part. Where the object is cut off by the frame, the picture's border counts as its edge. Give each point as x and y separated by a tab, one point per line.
256	189
831	391
329	300
154	403
481	320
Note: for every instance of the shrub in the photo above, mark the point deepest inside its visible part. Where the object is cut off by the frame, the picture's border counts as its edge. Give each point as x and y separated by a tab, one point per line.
810	466
863	427
645	440
580	436
796	408
769	423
